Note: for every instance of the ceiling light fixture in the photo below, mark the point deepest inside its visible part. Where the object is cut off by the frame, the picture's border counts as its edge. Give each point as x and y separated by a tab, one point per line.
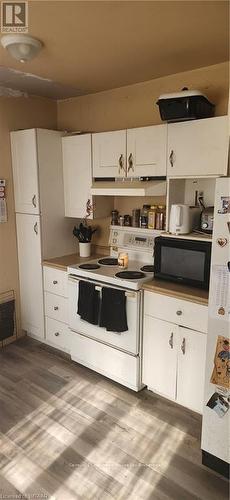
21	47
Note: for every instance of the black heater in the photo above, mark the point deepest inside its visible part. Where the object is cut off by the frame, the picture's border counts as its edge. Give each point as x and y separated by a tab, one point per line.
7	318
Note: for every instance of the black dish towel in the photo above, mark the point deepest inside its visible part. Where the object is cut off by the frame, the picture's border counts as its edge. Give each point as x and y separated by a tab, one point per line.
88	302
113	310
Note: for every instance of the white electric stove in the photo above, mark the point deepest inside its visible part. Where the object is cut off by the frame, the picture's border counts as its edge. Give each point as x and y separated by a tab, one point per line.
116	355
138	244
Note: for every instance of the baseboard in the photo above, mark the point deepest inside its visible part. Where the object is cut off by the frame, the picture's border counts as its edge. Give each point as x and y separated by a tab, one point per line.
215	464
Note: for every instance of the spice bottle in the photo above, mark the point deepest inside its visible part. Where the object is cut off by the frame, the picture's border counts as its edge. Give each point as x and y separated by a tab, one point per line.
152	217
144	216
160	217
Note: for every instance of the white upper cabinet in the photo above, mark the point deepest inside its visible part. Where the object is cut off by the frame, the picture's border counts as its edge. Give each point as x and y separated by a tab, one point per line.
77	174
109	154
146	151
76	151
25	171
198	147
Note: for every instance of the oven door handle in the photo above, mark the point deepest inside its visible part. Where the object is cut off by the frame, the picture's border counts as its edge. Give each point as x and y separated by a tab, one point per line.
128	293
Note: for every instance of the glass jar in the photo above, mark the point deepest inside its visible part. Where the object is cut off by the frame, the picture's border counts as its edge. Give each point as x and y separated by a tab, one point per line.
160	217
127	220
144	216
136	217
152	217
114	220
123	260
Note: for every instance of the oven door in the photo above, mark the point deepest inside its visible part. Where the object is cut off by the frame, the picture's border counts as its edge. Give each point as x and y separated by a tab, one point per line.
126	341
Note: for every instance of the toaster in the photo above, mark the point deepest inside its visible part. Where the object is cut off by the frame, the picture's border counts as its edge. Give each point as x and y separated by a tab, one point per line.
206	223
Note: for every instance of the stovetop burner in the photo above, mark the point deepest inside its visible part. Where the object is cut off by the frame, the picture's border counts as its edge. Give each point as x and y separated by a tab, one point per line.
89	266
147	269
108	261
130	275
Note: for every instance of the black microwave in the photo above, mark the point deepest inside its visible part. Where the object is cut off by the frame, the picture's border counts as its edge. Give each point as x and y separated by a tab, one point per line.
183	261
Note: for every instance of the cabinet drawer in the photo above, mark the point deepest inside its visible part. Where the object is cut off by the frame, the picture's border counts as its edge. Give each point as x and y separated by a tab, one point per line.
57	334
181	312
56	307
55	281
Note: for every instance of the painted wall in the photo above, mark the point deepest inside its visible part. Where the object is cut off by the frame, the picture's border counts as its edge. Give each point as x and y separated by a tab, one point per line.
135	106
16	113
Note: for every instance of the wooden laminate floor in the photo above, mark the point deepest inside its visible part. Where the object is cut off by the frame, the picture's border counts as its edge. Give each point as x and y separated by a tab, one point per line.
68	433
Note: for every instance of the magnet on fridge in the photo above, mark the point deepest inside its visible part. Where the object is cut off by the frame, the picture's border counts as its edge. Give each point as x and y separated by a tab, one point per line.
219	404
222	242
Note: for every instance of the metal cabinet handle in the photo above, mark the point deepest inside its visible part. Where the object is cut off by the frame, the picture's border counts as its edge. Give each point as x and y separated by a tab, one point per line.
130	163
34	203
121	163
171	340
55	308
171	158
57	334
183	346
179	313
36	228
55	282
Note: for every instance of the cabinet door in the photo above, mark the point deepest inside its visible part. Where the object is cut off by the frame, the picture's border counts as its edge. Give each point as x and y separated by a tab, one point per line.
146	151
30	274
199	147
77	174
191	368
25	171
160	356
109	154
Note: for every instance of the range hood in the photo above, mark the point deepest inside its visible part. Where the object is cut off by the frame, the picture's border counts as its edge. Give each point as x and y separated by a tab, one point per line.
135	187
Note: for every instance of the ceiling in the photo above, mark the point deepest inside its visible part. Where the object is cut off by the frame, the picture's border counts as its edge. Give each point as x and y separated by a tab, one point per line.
90	46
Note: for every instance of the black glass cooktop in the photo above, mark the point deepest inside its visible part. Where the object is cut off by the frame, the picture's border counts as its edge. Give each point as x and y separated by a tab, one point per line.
89	266
147	269
130	275
108	261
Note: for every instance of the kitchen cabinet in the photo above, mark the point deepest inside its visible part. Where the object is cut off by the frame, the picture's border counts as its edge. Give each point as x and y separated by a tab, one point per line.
191	368
146	151
137	152
57	333
77	175
159	356
42	230
198	147
30	276
109	154
174	355
25	171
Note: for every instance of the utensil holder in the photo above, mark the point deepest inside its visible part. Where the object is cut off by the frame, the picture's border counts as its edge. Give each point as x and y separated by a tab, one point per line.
84	249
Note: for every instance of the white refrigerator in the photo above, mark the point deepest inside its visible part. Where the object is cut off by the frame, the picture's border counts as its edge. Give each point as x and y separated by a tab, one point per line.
216	415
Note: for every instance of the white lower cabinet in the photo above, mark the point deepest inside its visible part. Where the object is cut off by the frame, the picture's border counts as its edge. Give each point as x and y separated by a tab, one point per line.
30	274
190	368
57	333
173	355
159	356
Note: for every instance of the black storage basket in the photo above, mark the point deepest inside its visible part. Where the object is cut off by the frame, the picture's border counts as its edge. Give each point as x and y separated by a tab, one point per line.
173	109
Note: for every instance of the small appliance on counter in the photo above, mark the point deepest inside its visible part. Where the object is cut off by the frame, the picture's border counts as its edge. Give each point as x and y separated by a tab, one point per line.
183	261
206	218
185	105
183	219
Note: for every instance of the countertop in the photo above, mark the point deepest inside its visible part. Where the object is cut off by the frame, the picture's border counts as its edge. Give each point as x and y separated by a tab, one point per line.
158	286
68	260
177	290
